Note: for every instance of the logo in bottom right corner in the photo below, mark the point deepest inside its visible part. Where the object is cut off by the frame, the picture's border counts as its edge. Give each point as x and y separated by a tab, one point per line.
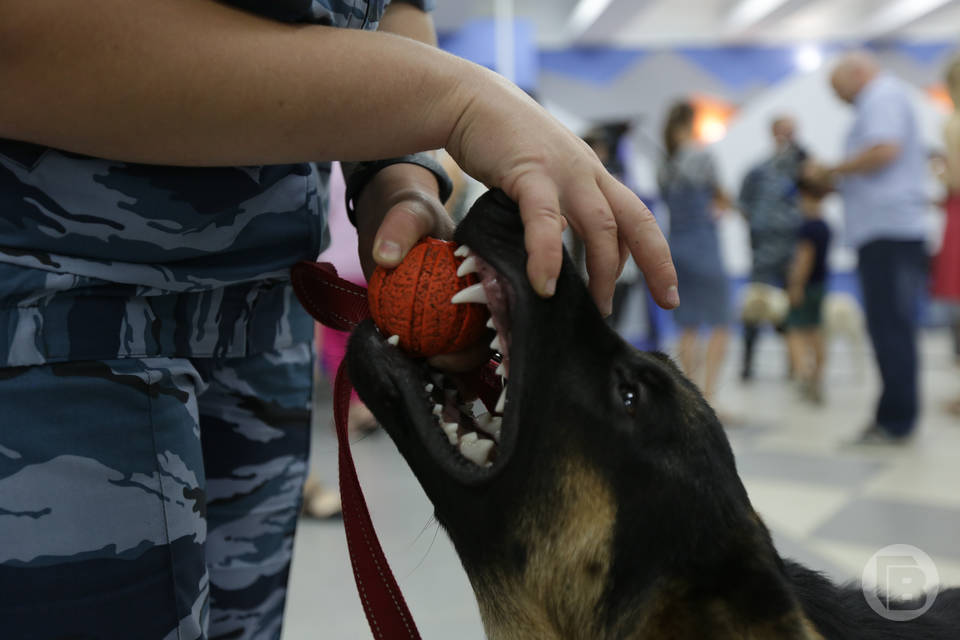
900	582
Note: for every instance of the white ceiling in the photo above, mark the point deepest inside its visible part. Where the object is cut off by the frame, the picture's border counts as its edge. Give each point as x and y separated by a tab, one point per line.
660	23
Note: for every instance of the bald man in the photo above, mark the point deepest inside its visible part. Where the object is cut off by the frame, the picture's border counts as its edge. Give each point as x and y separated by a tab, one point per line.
882	184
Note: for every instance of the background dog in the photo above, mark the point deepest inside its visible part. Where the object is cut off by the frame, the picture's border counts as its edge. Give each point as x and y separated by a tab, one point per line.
843	320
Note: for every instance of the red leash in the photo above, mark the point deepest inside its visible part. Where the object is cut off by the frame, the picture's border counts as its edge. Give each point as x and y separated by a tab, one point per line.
341	305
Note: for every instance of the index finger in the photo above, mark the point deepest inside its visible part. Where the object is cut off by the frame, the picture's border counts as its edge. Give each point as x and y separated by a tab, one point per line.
639	229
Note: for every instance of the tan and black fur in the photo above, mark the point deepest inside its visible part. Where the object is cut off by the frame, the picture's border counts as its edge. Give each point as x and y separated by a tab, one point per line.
614	510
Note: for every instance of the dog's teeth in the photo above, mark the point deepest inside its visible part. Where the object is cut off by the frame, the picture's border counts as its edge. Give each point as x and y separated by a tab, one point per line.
469	265
473	293
501	403
495	343
490	324
462	251
474	449
501	370
394	340
428	387
496	423
490	425
437	409
450	428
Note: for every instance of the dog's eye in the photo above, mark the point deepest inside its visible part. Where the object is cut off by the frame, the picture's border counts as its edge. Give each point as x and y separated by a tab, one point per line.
630	398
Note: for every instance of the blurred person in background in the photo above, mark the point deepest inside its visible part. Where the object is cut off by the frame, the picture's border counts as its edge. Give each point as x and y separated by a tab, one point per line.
807	287
768	200
882	182
946	265
690	189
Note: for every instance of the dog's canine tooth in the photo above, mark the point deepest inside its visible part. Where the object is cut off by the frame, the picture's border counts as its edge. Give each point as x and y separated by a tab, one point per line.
450	428
490	324
428	387
490	425
437	409
469	265
394	339
474	449
501	370
462	251
474	293
501	403
495	343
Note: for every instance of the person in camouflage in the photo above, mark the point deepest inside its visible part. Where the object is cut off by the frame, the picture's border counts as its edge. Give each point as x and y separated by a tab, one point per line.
157	181
768	200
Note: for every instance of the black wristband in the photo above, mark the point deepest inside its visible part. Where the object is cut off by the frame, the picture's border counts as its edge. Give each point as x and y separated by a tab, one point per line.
358	174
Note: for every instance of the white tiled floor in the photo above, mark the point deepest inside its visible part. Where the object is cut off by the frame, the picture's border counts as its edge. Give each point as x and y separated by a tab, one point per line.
828	506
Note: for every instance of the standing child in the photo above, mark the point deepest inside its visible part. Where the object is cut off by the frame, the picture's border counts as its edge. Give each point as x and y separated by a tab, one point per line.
806	286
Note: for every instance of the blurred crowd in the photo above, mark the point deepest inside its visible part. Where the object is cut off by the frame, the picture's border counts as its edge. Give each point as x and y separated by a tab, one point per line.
881	182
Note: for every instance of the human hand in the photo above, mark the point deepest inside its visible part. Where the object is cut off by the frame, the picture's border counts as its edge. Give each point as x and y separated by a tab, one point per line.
397	208
507	140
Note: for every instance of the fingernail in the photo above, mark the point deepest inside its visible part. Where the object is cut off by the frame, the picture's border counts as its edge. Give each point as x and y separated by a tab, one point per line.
673	297
550	286
388	251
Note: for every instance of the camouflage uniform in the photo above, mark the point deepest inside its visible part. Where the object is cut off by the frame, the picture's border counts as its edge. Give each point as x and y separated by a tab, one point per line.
154	386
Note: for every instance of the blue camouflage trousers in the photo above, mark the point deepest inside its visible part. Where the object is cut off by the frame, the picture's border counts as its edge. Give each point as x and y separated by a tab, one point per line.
146	498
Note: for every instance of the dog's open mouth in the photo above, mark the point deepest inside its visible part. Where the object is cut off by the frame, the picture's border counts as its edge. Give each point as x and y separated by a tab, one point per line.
472	427
462	419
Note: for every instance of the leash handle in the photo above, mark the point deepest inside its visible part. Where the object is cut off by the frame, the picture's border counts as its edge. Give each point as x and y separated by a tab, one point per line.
341	305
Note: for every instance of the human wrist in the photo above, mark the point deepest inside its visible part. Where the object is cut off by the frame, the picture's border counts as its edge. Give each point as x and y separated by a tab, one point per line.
478	96
417	175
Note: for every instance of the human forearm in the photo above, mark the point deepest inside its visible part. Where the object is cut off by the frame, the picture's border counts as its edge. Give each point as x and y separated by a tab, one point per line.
872	159
193	82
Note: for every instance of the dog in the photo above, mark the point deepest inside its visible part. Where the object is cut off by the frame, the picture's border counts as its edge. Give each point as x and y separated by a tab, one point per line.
842	317
599	499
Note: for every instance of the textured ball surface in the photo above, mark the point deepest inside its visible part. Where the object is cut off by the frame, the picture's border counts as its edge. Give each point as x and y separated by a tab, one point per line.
412	301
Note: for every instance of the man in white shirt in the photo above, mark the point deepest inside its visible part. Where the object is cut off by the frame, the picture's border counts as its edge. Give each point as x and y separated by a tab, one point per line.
882	184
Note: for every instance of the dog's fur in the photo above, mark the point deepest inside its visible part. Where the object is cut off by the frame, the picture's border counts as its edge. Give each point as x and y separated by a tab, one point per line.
601	521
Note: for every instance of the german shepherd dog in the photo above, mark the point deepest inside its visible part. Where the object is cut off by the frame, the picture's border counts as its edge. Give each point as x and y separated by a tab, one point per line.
600	499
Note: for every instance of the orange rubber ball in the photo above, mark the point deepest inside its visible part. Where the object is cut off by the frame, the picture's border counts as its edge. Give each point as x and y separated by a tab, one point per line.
412	301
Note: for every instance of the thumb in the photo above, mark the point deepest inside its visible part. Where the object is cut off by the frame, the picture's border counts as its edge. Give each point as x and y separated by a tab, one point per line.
403	226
